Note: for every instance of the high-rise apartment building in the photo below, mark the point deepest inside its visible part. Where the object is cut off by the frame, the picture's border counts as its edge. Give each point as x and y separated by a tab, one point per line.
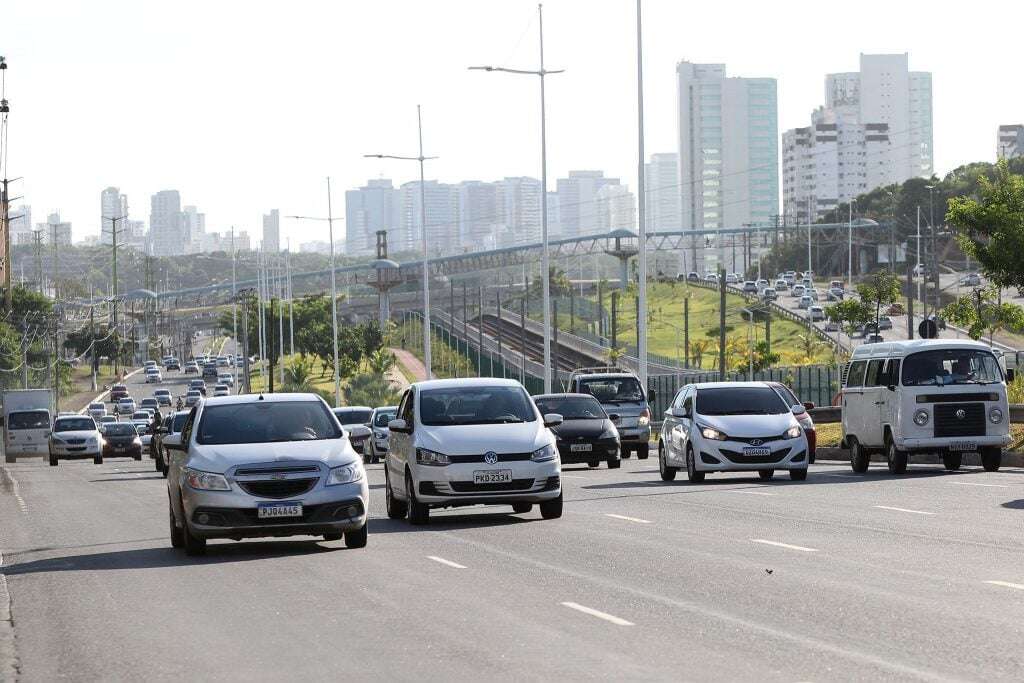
662	190
1010	141
193	228
375	206
21	224
479	218
518	200
874	130
55	229
728	147
577	202
271	232
113	204
616	208
441	217
166	235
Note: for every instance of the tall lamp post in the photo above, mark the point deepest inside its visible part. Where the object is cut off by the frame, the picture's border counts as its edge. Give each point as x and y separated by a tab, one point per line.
641	204
334	288
545	258
423	229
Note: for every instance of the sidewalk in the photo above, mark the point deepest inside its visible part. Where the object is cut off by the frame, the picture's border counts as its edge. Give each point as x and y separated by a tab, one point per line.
411	365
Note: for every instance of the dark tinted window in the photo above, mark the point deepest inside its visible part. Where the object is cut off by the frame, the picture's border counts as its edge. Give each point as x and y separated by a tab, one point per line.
612	389
572	407
29	419
951	366
382	417
266	422
475	405
352	416
855	375
739	401
80	424
787	395
179	422
119	429
874	373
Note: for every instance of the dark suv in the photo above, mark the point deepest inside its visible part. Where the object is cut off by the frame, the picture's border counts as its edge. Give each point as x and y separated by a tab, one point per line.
619	392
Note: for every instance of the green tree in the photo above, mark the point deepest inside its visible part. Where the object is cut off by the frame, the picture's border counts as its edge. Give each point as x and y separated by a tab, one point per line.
991	225
849	313
980	312
881	288
369	389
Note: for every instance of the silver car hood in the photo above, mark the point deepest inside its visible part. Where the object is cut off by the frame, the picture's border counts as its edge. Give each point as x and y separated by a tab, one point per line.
84	434
749	425
521	437
212	458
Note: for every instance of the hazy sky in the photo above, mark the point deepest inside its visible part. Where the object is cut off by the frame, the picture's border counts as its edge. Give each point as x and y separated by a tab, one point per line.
247	106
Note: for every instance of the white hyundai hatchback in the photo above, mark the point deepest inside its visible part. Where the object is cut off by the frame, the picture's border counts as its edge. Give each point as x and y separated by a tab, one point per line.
462	442
729	427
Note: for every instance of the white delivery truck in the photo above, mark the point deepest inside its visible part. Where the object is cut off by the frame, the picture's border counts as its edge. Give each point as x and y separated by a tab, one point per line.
28	416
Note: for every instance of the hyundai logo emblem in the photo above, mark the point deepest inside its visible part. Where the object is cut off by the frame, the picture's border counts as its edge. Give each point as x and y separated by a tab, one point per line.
961	413
490	457
756	442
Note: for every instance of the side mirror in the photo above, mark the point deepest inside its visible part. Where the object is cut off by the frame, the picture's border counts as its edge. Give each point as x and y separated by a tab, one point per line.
678	412
615	418
808	405
359	432
173	443
799	409
552	420
399	425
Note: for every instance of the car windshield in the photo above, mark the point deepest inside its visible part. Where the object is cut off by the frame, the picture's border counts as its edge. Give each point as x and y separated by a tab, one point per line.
572	407
80	424
382	417
740	400
192	392
352	416
97	406
475	405
141	415
612	389
942	367
119	429
266	422
28	419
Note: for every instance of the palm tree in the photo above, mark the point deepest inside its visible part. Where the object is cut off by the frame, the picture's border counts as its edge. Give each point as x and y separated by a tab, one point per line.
809	346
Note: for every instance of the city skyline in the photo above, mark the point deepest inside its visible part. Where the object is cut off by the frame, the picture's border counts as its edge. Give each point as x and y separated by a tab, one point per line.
478	128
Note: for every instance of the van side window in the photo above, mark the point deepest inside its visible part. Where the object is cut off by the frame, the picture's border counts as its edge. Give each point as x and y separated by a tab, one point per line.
892	372
874	373
855	376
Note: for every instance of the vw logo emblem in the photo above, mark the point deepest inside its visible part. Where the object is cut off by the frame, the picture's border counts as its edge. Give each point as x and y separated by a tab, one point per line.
756	442
961	413
490	457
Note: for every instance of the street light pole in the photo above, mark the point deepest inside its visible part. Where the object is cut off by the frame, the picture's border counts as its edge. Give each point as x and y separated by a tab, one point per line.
545	257
641	203
423	230
849	248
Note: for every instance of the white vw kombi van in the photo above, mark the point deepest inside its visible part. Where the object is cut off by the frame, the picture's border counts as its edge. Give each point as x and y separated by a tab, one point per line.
925	396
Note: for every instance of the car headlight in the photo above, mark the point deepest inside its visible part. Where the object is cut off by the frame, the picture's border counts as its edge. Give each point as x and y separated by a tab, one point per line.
544	453
645	418
380	433
137	441
346	474
793	432
206	481
995	416
426	457
921	417
56	439
713	434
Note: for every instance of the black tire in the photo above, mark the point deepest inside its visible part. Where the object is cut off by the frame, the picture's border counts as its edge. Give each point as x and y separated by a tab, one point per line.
194	546
356	538
137	456
164	470
366	459
53	460
691	467
667	472
158	463
766	474
177	535
97	460
397	509
593	463
419	513
614	464
330	538
859	459
798	475
991	458
625	453
521	508
9	459
551	509
643	451
896	459
952	461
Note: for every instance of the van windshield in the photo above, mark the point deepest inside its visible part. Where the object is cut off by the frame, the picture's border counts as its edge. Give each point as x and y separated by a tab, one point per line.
942	367
29	419
612	389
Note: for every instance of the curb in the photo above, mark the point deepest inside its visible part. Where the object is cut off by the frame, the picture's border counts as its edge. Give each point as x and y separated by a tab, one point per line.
1010	459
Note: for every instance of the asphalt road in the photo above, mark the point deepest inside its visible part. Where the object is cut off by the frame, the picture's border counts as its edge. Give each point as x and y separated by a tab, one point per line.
839	577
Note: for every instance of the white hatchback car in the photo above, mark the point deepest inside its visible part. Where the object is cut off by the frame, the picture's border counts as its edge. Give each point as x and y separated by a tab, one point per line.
462	442
728	427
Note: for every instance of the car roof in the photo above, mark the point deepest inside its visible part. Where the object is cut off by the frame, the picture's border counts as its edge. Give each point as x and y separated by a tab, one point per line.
466	382
908	346
564	395
352	408
729	385
385	408
260	398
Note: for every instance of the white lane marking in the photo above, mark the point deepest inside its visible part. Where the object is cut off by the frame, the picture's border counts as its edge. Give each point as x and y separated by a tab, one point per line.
572	476
752	493
1007	584
443	561
913	512
628	519
840	474
16	490
596	613
784	545
974	483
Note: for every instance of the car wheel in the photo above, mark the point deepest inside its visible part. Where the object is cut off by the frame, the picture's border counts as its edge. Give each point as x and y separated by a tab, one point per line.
10	458
137	456
551	509
859	459
177	535
158	463
896	458
952	461
593	463
766	474
625	453
667	472
366	459
642	451
521	508
356	538
419	513
691	467
193	545
991	458
798	475
614	463
53	460
396	508
97	460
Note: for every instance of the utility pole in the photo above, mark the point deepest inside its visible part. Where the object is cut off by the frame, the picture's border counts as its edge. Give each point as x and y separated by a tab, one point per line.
686	330
5	197
37	252
234	308
721	324
641	328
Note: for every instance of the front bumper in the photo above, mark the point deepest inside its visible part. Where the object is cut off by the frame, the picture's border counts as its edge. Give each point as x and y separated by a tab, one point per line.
727	456
452	485
635	435
942	443
67	451
601	449
121	451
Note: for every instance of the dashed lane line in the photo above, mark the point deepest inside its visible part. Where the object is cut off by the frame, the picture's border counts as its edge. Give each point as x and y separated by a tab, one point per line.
449	563
1007	584
777	544
912	512
628	519
597	613
974	483
751	493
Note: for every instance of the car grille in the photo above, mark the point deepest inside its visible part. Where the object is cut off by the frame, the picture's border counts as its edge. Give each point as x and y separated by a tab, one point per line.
502	457
762	439
740	459
470	487
249	471
285	488
948	423
75	442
